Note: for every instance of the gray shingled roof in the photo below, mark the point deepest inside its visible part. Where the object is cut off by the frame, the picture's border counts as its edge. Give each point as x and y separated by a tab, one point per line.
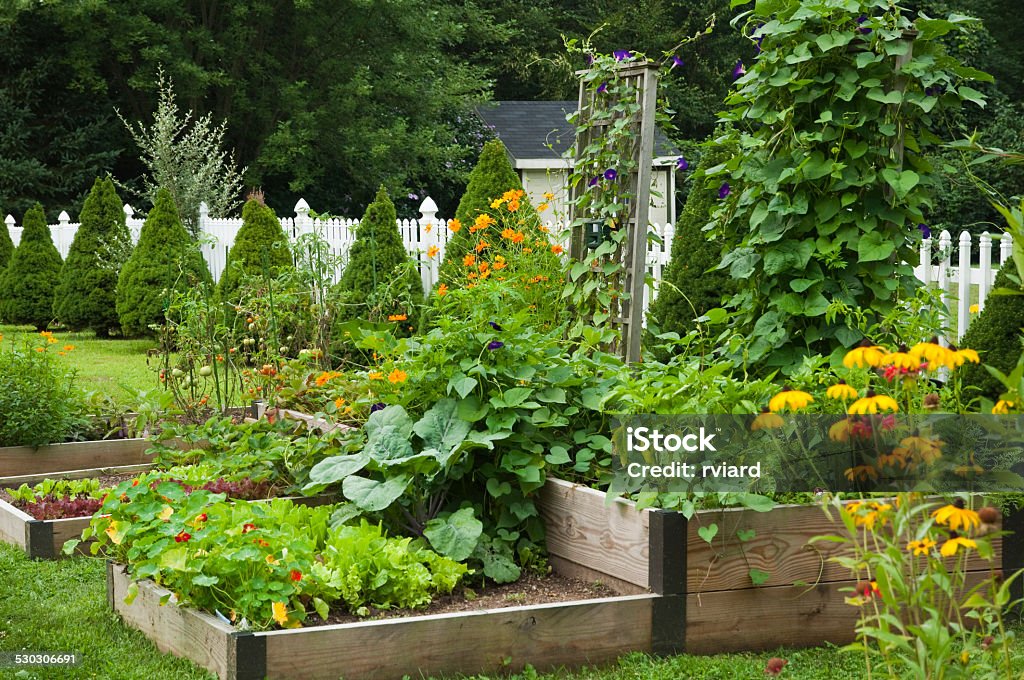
526	128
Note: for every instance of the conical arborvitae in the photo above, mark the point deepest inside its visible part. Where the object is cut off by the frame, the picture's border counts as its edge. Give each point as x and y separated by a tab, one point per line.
378	280
6	250
31	276
87	292
260	242
688	289
165	260
490	179
996	335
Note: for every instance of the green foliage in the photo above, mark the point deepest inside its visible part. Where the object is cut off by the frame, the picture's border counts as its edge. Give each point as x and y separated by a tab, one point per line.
828	215
85	296
490	179
380	279
31	277
39	401
165	260
260	247
689	287
185	156
263	562
996	335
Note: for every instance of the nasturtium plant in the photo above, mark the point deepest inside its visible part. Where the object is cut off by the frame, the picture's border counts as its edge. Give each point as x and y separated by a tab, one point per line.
832	122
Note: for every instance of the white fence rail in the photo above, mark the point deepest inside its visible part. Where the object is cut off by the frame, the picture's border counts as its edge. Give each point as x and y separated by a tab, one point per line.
959	292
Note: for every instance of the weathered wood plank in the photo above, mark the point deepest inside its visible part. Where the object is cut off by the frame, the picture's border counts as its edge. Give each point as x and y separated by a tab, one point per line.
12	525
545	636
23	460
181	631
66	529
779	547
611	539
756	619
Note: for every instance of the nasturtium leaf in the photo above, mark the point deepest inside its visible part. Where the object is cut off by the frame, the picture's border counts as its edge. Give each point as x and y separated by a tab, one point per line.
373	496
205	580
454	536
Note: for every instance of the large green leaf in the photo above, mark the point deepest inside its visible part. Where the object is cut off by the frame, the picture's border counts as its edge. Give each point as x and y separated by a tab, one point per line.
874	246
455	536
336	468
373	496
441	427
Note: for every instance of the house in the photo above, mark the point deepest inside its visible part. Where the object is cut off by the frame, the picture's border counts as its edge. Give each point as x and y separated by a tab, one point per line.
536	135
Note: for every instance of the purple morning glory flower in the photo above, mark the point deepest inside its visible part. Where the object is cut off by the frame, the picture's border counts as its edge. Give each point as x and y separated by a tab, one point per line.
594	180
861	20
494	326
610	174
590	60
603	87
926	232
413	197
676	61
495	344
681	163
724	190
738	70
379	406
621	55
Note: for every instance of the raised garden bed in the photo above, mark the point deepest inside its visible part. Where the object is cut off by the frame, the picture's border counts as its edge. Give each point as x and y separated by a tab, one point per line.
44	539
723	610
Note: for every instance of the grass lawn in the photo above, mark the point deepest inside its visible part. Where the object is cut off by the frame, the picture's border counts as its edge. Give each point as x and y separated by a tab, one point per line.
61	606
106	366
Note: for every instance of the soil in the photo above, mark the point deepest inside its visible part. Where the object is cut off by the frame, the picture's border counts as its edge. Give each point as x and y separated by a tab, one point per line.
530	589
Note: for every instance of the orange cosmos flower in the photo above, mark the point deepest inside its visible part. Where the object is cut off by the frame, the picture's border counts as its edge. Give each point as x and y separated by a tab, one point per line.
455	225
432	251
397	376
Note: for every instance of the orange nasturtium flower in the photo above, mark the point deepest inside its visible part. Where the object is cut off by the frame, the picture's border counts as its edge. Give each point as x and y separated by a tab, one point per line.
397	317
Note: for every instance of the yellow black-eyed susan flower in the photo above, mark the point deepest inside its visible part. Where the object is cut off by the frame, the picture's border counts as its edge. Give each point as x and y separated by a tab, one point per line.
901	358
766	420
921	547
955	518
1002	407
865	355
841	392
793	400
873	403
950	547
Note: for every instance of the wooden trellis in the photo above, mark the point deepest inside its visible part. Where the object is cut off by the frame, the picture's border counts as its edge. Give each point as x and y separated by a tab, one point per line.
597	114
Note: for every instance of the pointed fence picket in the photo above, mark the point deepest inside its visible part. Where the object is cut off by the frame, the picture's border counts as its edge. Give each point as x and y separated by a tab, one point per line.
963	287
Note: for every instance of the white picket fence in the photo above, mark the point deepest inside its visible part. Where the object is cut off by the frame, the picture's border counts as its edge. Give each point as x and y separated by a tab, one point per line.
935	265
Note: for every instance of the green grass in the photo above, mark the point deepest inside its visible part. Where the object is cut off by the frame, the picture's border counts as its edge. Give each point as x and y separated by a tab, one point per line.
107	366
61	606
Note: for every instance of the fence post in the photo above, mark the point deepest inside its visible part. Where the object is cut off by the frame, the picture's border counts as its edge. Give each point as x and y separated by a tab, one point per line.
1005	248
964	286
9	221
985	260
945	241
303	224
430	236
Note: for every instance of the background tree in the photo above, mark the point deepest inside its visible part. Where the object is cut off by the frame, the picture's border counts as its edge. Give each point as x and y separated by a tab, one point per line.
690	284
6	249
380	280
260	243
996	335
32	273
164	260
86	295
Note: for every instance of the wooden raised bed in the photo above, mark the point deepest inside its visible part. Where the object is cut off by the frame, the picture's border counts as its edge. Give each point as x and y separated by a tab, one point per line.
801	603
547	636
74	460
